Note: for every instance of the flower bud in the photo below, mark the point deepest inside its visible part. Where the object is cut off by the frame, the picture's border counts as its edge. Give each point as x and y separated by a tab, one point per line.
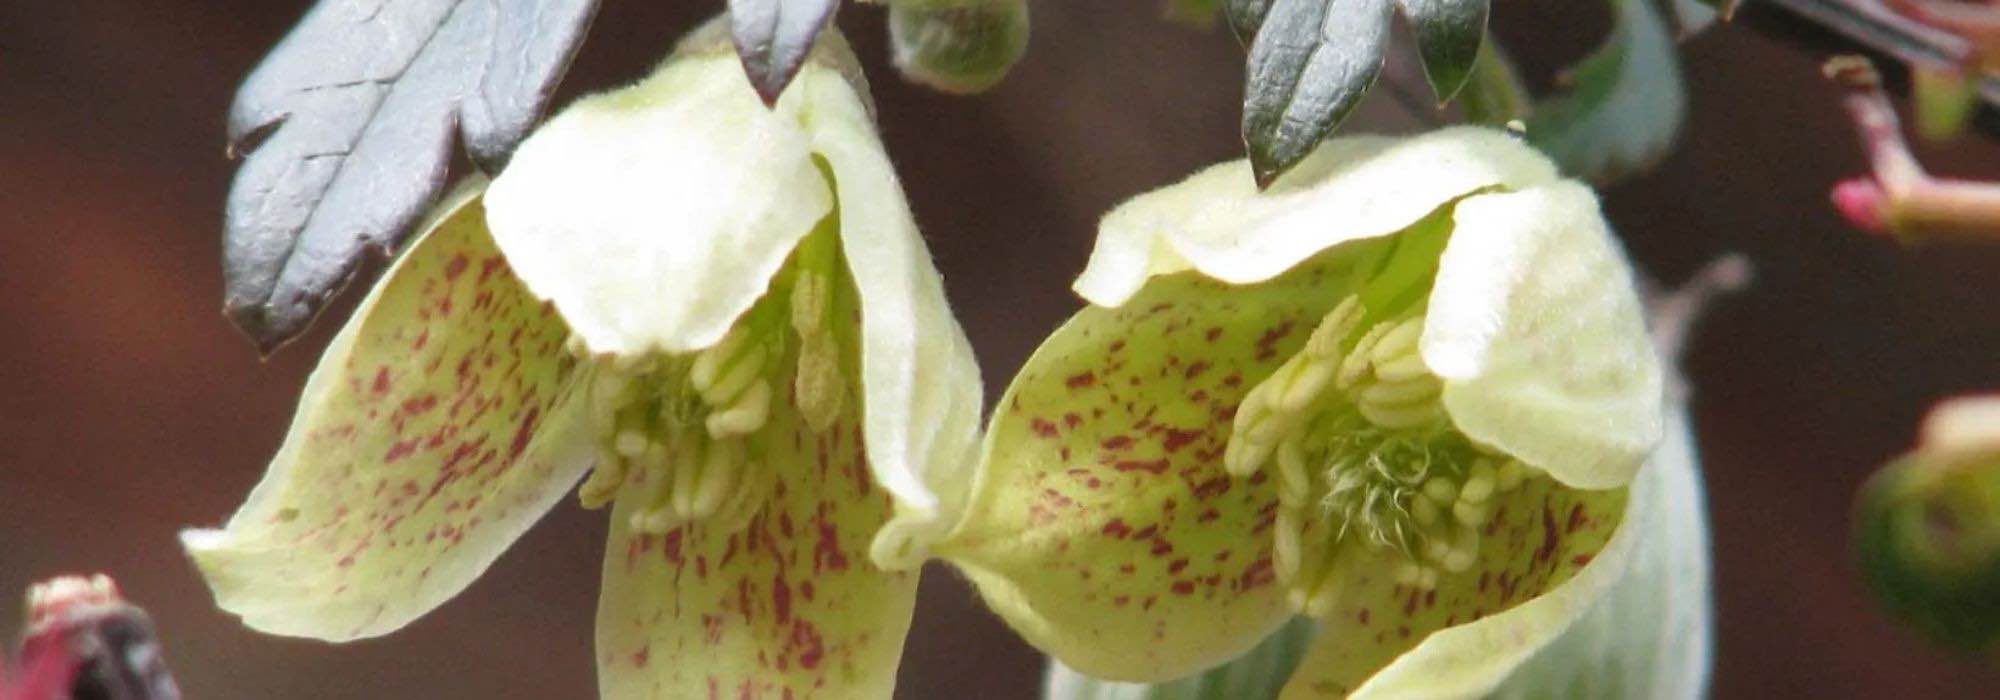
1929	527
960	46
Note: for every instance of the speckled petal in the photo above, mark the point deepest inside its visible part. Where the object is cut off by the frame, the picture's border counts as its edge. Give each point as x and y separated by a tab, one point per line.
920	382
437	428
788	607
1650	636
1104	527
654	216
1546	555
1352	188
1536	329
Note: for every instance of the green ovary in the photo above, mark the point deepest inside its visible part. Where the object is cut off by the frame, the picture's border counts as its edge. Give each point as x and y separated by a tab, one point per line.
682	433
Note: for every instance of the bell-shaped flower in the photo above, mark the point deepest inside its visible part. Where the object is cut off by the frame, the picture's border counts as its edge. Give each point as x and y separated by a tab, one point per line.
1404	391
724	314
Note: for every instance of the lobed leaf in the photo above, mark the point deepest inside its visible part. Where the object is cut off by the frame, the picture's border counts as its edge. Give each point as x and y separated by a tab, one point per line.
348	125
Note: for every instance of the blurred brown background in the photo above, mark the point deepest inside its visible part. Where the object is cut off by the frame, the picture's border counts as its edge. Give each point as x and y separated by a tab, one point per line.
129	408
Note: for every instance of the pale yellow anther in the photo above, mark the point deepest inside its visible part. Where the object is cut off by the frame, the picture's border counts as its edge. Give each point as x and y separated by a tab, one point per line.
1436	548
725	469
1421	388
1428	580
603	484
751	410
1510	475
575	346
1441	490
1354	367
1480	482
709	363
1398	342
1424	511
1243	456
735	379
1396	417
1471	514
1307	382
1334	329
1326	595
1285	544
1464	551
1402	369
1409	573
629	443
818	386
1294	484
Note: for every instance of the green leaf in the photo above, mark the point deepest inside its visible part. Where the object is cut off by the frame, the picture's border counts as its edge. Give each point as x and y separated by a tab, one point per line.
774	37
348	124
1310	63
1259	673
1626	105
1448	36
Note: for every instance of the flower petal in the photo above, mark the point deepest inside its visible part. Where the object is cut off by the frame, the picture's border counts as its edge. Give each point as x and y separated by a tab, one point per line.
656	215
1104	527
920	383
1536	329
788	606
1650	636
1352	188
1545	556
1256	675
437	428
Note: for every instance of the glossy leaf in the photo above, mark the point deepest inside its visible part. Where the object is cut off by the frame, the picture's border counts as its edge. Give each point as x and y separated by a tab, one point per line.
348	124
774	37
1626	103
1310	64
1448	38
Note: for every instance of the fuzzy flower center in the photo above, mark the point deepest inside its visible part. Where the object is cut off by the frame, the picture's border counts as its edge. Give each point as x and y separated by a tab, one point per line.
1369	464
685	434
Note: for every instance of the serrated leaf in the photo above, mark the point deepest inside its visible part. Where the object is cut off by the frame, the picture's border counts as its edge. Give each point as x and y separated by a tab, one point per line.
1244	17
1310	64
1626	102
348	127
1448	34
773	37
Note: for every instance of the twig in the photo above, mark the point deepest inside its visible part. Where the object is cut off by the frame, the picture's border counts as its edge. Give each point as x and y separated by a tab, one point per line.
1900	198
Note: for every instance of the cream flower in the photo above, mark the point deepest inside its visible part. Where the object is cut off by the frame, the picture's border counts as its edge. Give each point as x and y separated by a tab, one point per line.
727	311
1405	392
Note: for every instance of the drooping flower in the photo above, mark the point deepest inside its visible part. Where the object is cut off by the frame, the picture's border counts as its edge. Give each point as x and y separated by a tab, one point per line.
724	314
1404	391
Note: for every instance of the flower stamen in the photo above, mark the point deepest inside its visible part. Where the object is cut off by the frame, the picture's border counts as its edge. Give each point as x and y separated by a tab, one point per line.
1368	463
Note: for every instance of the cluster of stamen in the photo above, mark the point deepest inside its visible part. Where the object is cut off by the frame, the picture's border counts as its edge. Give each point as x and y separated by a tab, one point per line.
1368	462
680	432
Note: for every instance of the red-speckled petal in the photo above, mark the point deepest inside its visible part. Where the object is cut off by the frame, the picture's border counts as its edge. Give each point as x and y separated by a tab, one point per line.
1103	526
791	606
1546	555
436	429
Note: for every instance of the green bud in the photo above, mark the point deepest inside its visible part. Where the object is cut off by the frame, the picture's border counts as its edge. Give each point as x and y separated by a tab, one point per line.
960	46
1929	527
